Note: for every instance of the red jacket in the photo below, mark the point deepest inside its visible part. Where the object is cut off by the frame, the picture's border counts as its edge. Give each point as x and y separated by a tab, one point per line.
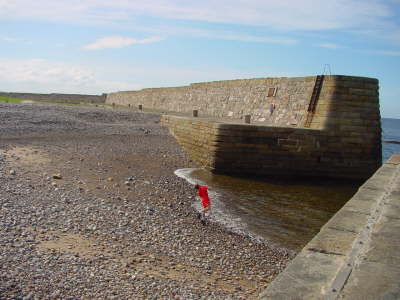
203	194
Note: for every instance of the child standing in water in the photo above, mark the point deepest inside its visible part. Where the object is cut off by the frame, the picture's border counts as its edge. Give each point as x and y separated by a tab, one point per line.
205	200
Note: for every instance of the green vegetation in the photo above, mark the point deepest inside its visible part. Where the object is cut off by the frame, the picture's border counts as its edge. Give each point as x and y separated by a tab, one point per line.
7	99
16	100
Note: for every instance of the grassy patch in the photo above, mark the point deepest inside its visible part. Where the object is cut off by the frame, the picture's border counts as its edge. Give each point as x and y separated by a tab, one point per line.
7	99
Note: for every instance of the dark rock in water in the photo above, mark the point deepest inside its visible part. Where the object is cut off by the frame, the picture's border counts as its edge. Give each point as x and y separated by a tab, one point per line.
393	142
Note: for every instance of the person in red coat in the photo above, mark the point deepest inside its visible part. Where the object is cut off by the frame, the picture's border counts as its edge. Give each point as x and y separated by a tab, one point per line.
205	200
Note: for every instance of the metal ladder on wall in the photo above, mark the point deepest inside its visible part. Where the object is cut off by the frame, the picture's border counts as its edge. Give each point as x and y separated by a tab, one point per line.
314	100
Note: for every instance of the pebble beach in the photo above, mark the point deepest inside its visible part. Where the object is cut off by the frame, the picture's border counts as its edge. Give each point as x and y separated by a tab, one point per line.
90	208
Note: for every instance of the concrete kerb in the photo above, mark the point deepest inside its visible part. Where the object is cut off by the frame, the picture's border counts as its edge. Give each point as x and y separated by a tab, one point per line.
343	242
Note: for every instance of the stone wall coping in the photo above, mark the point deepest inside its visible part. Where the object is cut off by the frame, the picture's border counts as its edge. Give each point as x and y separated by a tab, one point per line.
251	80
235	125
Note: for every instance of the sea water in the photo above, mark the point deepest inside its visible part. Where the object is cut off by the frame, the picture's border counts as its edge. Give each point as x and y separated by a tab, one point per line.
390	135
286	213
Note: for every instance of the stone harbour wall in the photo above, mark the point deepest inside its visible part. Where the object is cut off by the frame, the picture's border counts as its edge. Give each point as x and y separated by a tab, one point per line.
197	136
232	98
347	103
343	101
256	150
336	134
55	97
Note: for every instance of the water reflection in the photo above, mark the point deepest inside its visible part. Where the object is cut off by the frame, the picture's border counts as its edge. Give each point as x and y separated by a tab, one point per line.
288	213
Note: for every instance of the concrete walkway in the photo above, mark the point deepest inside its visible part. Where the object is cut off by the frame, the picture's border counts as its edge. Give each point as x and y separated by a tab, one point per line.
356	255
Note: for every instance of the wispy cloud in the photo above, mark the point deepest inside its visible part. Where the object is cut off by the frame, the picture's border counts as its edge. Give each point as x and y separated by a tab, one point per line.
230	35
8	39
223	35
40	75
276	21
252	38
328	45
283	14
119	42
15	40
390	33
383	52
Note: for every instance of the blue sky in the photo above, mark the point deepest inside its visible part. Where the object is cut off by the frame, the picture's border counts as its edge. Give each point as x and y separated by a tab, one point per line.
96	46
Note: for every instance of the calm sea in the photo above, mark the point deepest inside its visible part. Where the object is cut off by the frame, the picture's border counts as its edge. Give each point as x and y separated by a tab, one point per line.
284	213
390	133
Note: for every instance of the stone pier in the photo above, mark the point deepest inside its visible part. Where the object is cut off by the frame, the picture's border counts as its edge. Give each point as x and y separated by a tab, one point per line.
228	147
325	126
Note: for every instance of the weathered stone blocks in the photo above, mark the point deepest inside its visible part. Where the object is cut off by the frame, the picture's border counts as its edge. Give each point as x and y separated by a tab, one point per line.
343	138
263	150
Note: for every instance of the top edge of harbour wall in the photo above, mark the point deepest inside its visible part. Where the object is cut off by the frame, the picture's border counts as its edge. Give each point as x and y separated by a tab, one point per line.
269	80
234	124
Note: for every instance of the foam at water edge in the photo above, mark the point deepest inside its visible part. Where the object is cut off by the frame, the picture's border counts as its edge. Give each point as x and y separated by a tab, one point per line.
219	213
185	174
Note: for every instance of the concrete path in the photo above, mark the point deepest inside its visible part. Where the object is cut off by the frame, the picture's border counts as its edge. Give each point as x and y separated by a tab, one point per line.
356	254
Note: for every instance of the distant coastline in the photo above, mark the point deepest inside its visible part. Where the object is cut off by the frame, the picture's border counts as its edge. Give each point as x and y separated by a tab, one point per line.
392	142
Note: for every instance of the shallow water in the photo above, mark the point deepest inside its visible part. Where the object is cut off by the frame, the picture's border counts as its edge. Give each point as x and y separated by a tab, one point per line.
286	213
